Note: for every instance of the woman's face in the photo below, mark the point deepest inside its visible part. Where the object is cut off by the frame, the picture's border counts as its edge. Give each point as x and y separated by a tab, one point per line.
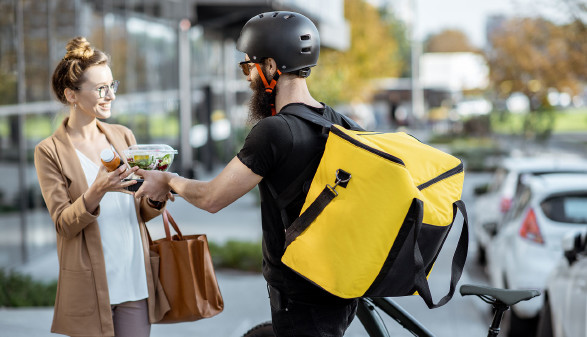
97	78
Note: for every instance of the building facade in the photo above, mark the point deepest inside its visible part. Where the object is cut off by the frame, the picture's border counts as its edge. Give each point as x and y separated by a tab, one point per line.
180	85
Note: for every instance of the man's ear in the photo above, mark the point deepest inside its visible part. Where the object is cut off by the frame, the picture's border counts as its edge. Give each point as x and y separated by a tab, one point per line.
70	95
271	66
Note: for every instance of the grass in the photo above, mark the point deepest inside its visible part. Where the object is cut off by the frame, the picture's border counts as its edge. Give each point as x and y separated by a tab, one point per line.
18	290
571	120
241	255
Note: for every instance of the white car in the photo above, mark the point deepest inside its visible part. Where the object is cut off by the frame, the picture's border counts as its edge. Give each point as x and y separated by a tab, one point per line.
493	201
565	298
527	245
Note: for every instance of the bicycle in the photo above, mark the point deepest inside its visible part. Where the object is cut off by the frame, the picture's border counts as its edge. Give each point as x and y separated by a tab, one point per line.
500	299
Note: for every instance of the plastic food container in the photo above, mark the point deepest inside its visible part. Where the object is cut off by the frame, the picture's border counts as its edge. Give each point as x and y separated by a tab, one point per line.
148	157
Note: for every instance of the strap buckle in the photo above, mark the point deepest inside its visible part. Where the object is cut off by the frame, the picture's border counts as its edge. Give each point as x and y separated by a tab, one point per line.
342	179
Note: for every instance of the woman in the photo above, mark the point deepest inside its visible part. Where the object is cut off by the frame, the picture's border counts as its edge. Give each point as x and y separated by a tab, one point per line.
105	286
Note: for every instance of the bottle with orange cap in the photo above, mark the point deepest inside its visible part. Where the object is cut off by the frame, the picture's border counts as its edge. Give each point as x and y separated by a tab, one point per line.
110	160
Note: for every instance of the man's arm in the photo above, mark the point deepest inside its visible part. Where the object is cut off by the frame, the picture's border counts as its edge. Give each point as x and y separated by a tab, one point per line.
235	180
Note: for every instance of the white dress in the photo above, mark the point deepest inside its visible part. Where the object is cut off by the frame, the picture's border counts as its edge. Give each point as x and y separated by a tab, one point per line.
121	241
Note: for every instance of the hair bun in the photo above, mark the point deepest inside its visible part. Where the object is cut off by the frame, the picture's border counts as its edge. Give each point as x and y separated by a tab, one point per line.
79	48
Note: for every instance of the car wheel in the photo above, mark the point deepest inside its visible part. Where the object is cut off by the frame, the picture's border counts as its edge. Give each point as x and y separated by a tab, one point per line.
545	321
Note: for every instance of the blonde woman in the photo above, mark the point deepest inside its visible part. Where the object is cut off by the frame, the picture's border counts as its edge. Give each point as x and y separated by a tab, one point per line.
105	285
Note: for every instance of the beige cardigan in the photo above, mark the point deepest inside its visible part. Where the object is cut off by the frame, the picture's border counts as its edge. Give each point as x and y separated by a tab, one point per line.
82	306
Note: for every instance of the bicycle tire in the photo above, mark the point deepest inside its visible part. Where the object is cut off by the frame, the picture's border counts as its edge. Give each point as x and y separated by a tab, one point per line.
261	330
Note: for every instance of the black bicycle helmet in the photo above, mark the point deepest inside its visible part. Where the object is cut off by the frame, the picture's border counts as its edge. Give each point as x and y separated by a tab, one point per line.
289	38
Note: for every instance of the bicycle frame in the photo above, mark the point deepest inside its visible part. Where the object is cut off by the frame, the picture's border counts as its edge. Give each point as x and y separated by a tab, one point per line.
500	300
374	324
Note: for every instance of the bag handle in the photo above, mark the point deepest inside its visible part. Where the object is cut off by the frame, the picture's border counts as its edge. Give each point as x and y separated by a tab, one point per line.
316	207
458	263
168	219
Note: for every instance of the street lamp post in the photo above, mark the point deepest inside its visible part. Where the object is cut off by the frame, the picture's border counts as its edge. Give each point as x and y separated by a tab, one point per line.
416	51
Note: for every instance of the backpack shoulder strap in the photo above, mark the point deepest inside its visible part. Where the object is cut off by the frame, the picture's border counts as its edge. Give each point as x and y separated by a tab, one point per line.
302	112
284	198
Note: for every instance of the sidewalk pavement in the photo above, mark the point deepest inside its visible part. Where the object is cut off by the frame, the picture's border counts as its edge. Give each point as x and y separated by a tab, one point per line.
245	294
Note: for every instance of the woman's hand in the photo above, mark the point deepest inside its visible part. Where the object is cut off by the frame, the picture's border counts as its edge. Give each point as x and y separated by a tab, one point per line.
113	181
107	182
155	185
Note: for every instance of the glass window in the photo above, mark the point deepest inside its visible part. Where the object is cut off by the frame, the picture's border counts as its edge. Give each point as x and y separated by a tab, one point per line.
498	179
36	51
520	202
566	208
8	72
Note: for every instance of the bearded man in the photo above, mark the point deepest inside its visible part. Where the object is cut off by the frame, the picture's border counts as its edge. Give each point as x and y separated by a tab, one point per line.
280	49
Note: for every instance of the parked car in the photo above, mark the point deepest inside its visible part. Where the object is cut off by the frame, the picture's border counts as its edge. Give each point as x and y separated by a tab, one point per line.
528	243
494	200
565	298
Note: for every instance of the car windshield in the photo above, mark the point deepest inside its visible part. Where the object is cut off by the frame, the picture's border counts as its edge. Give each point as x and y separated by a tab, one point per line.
566	208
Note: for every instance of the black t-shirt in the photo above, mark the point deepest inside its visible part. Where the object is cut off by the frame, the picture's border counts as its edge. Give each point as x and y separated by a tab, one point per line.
279	148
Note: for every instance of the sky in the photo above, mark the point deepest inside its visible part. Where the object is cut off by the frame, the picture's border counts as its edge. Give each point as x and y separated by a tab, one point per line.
469	16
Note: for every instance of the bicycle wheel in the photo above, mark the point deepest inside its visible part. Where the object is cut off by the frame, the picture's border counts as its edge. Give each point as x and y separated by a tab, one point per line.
261	330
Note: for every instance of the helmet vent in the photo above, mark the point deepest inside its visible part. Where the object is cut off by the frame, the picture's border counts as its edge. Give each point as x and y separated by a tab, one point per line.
260	16
306	50
289	16
275	14
305	37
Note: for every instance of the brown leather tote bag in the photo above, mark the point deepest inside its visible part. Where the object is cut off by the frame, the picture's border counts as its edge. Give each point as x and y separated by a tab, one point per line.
186	274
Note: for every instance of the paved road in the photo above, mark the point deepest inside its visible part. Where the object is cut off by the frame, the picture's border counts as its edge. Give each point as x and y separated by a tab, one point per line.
245	294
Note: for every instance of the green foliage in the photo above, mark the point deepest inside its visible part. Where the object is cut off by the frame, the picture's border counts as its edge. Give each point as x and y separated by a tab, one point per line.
478	153
7	88
400	34
534	56
346	76
572	120
18	290
241	255
539	124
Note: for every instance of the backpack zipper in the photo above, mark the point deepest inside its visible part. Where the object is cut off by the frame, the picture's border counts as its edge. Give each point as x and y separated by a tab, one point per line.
453	171
353	141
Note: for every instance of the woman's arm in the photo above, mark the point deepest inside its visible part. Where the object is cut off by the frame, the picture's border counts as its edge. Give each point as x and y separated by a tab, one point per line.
233	182
69	216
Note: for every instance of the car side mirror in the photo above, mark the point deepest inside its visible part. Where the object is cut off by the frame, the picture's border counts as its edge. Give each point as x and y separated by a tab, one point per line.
574	244
481	189
490	228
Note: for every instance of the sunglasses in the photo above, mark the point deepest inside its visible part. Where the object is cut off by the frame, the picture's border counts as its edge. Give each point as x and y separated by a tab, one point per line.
246	67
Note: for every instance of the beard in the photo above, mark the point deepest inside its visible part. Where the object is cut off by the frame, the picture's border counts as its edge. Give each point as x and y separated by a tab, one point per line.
260	102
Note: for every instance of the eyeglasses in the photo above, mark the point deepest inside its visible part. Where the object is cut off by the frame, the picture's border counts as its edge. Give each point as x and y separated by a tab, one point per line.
246	67
103	90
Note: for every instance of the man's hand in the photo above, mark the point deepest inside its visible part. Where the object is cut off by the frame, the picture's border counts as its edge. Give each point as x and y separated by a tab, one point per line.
155	185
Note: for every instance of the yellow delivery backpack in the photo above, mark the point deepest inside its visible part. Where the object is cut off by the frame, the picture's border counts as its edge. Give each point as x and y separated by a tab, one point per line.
376	216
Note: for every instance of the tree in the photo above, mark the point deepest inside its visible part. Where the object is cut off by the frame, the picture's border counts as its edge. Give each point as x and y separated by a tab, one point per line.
399	32
533	56
345	76
448	41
